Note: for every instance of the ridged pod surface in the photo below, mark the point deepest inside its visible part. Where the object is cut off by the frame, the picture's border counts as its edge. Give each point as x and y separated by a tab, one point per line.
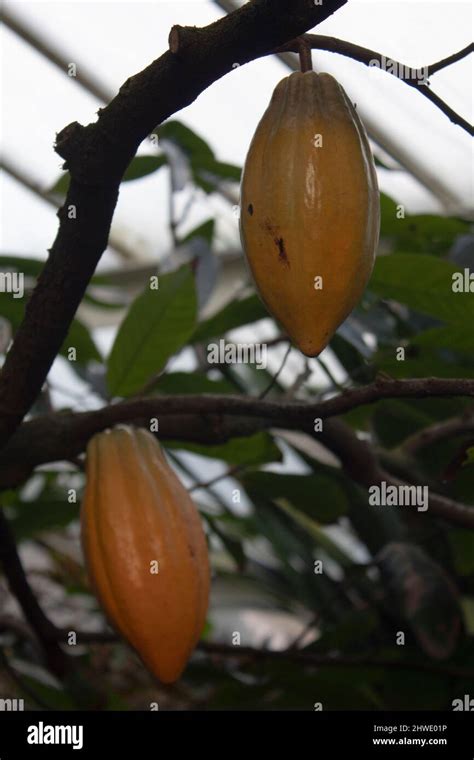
136	511
310	208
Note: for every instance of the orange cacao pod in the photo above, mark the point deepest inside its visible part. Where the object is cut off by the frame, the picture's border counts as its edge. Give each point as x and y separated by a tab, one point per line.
135	513
309	218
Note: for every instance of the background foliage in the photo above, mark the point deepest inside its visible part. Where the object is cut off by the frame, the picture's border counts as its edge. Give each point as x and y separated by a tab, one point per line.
386	570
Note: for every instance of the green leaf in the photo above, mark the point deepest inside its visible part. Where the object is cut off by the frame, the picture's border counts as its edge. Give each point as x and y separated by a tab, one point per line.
351	635
61	186
30	267
158	324
190	143
207	172
12	309
394	420
423	283
318	496
78	336
469	457
419	233
454	337
234	314
428	363
424	596
141	166
350	358
428	234
462	546
33	517
321	538
252	450
206	169
232	544
205	231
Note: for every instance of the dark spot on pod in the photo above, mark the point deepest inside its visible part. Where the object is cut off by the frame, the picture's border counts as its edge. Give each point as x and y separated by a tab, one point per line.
250	209
282	255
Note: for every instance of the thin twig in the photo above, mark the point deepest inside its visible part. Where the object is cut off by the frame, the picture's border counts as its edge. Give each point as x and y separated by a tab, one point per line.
304	50
223	475
336	660
276	375
439	431
302	656
434	67
328	372
397	69
21	589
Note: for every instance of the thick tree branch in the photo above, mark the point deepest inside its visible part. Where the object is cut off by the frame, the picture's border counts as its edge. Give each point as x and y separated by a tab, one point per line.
215	419
203	419
291	654
97	157
367	57
322	660
361	464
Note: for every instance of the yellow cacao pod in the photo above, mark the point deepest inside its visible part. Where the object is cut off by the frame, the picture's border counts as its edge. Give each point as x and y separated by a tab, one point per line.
310	208
145	549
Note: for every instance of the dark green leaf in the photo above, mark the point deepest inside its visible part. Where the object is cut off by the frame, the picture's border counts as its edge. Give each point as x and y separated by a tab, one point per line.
32	517
428	363
208	172
351	635
462	545
205	231
320	497
350	358
158	324
141	166
234	314
425	284
30	267
455	337
418	233
394	420
190	143
424	596
61	186
80	339
231	543
78	336
255	449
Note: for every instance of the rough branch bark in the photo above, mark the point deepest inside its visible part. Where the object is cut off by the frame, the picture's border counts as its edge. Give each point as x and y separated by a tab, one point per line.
204	419
97	156
215	419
